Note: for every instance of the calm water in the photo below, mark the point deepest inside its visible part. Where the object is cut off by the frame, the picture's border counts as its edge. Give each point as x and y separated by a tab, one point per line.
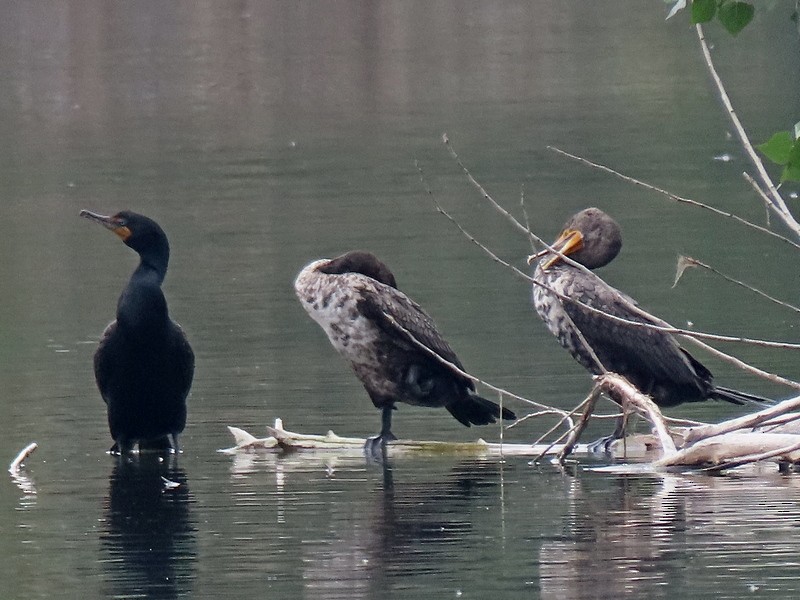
262	135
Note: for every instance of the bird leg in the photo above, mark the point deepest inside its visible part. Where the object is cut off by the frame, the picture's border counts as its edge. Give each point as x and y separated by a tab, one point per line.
175	448
604	444
122	446
377	445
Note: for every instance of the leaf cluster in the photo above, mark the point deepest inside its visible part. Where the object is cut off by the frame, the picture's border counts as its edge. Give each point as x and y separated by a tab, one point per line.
734	15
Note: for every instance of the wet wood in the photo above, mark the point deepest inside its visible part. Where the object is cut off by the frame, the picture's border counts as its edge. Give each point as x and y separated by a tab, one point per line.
16	464
280	439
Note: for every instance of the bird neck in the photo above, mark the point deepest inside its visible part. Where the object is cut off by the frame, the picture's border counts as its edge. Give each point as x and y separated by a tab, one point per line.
153	263
142	307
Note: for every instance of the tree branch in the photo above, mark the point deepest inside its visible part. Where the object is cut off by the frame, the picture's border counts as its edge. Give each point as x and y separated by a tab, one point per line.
776	200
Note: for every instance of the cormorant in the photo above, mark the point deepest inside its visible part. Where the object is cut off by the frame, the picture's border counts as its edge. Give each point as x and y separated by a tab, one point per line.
380	331
144	364
651	360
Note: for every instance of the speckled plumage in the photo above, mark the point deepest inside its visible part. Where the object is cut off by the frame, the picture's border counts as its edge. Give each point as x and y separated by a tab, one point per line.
650	359
377	329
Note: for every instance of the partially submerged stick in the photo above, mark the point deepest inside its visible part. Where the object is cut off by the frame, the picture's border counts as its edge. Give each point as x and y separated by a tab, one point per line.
16	464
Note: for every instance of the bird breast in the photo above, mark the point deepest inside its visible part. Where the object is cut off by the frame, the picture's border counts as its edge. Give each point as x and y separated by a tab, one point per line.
551	310
332	301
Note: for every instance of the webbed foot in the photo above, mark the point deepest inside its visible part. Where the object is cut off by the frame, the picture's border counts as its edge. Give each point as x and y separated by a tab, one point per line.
602	446
375	447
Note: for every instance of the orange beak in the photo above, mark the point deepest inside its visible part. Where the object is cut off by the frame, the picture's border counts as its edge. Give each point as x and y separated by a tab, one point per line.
570	240
112	223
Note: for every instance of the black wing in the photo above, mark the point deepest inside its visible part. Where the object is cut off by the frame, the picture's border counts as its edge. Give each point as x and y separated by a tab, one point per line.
102	362
397	314
185	359
624	348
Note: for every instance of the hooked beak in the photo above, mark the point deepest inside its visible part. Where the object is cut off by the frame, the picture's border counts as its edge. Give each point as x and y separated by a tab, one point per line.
112	223
570	240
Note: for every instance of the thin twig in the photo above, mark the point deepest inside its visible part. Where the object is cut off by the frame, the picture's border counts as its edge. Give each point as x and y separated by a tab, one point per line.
567	417
540	413
474	182
769	207
410	337
674	197
693	262
575	435
525	216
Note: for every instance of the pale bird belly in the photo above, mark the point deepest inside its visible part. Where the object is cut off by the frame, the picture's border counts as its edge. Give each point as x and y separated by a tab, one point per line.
353	336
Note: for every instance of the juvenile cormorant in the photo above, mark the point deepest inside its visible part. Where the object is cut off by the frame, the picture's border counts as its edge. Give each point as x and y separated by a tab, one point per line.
144	364
378	329
651	360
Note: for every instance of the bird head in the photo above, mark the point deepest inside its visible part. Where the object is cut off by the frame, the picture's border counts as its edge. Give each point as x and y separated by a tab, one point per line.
138	232
590	238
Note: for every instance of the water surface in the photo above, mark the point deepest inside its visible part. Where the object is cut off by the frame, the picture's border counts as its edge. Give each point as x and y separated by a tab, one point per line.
264	135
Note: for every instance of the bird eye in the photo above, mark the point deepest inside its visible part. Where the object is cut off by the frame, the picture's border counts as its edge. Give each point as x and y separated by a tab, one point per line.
122	222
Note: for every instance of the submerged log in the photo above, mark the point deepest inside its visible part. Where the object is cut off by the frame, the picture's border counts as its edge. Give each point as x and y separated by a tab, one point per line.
282	440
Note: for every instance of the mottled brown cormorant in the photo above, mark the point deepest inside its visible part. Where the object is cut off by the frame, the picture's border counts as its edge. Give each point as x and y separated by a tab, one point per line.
651	360
355	299
144	364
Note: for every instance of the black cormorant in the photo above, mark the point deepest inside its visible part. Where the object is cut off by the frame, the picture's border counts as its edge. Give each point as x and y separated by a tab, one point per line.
651	360
144	363
379	330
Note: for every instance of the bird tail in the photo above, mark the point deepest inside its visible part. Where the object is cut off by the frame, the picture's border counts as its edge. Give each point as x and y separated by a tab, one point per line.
471	409
737	397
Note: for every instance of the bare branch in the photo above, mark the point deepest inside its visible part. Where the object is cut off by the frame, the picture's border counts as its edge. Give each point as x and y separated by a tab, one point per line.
776	200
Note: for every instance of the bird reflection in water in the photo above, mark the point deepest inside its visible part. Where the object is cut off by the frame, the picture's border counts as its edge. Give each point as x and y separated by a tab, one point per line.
412	528
149	538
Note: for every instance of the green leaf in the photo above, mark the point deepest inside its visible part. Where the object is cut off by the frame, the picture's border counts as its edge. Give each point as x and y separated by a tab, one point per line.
703	11
792	170
735	15
790	173
778	148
